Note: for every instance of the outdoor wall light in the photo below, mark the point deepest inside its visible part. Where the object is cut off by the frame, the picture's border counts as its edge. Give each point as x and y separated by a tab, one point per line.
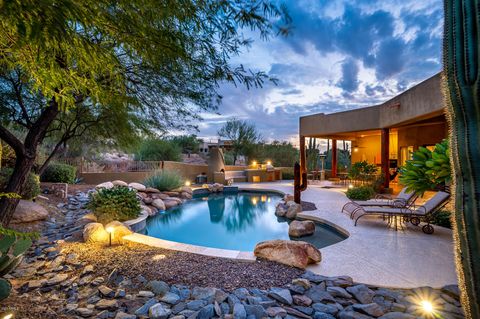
355	149
110	232
188	183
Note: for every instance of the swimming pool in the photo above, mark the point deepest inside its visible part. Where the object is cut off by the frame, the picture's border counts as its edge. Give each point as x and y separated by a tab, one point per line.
236	221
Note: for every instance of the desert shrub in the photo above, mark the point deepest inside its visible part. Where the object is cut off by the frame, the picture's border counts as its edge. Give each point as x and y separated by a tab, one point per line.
59	173
287	173
118	203
158	150
164	180
443	218
31	188
360	193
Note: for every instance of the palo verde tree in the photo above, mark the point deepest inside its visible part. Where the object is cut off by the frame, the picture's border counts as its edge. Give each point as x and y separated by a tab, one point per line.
243	136
461	54
161	59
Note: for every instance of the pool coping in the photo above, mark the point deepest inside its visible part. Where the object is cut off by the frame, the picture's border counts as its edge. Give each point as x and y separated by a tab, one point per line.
245	256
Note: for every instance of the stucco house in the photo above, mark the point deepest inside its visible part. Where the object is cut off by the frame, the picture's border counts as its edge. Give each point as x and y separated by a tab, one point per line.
383	134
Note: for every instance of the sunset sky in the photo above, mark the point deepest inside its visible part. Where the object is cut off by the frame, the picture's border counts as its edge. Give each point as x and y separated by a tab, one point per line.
340	55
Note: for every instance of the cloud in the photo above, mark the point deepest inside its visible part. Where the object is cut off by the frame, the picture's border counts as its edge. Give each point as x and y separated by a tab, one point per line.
349	79
341	55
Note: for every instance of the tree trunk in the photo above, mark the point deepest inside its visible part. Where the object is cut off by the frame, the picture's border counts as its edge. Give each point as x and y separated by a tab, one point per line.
462	86
23	166
26	153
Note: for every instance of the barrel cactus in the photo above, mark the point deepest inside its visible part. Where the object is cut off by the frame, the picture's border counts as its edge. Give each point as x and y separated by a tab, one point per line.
462	86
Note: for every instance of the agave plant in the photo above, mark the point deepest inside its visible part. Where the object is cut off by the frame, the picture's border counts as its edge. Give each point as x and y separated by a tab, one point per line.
13	245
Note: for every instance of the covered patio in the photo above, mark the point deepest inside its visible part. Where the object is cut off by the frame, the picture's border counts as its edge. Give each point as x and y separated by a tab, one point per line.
383	134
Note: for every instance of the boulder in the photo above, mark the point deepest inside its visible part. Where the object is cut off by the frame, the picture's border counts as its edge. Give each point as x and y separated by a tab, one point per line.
148	210
186	195
169	203
148	200
186	189
106	185
281	210
28	211
86	219
159	204
300	228
293	253
151	190
119	230
137	186
293	209
95	233
119	183
215	188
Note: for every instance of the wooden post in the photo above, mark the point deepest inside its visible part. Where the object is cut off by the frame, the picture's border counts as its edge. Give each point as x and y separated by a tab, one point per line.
386	157
334	158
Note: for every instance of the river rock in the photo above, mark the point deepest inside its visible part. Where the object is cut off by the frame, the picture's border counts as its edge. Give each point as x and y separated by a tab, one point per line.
169	203
137	186
28	211
281	210
119	183
362	293
159	204
95	233
151	190
282	295
293	253
158	311
106	185
293	209
300	228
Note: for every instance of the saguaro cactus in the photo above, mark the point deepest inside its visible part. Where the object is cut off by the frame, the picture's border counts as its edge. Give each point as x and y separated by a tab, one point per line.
462	93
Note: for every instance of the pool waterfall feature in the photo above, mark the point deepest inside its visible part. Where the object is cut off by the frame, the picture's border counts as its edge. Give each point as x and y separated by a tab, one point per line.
231	220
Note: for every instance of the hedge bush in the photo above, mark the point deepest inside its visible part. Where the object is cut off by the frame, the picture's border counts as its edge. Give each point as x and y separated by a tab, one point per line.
31	188
443	218
360	193
59	173
118	203
164	180
287	173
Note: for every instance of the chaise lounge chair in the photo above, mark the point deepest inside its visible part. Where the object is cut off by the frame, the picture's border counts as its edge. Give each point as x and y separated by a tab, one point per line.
415	214
403	199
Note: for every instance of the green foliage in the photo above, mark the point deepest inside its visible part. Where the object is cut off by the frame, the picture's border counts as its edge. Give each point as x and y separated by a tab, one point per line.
228	158
343	159
243	136
281	154
59	173
118	203
187	143
31	187
287	173
360	193
164	180
443	218
427	170
362	171
12	247
5	288
155	149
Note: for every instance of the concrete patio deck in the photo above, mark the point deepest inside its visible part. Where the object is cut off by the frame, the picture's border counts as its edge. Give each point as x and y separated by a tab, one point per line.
373	253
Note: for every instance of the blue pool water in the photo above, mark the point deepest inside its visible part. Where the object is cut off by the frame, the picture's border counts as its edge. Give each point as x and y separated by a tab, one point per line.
235	221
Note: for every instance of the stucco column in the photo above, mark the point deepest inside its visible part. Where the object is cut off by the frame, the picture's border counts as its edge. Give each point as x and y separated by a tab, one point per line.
386	157
303	159
334	158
